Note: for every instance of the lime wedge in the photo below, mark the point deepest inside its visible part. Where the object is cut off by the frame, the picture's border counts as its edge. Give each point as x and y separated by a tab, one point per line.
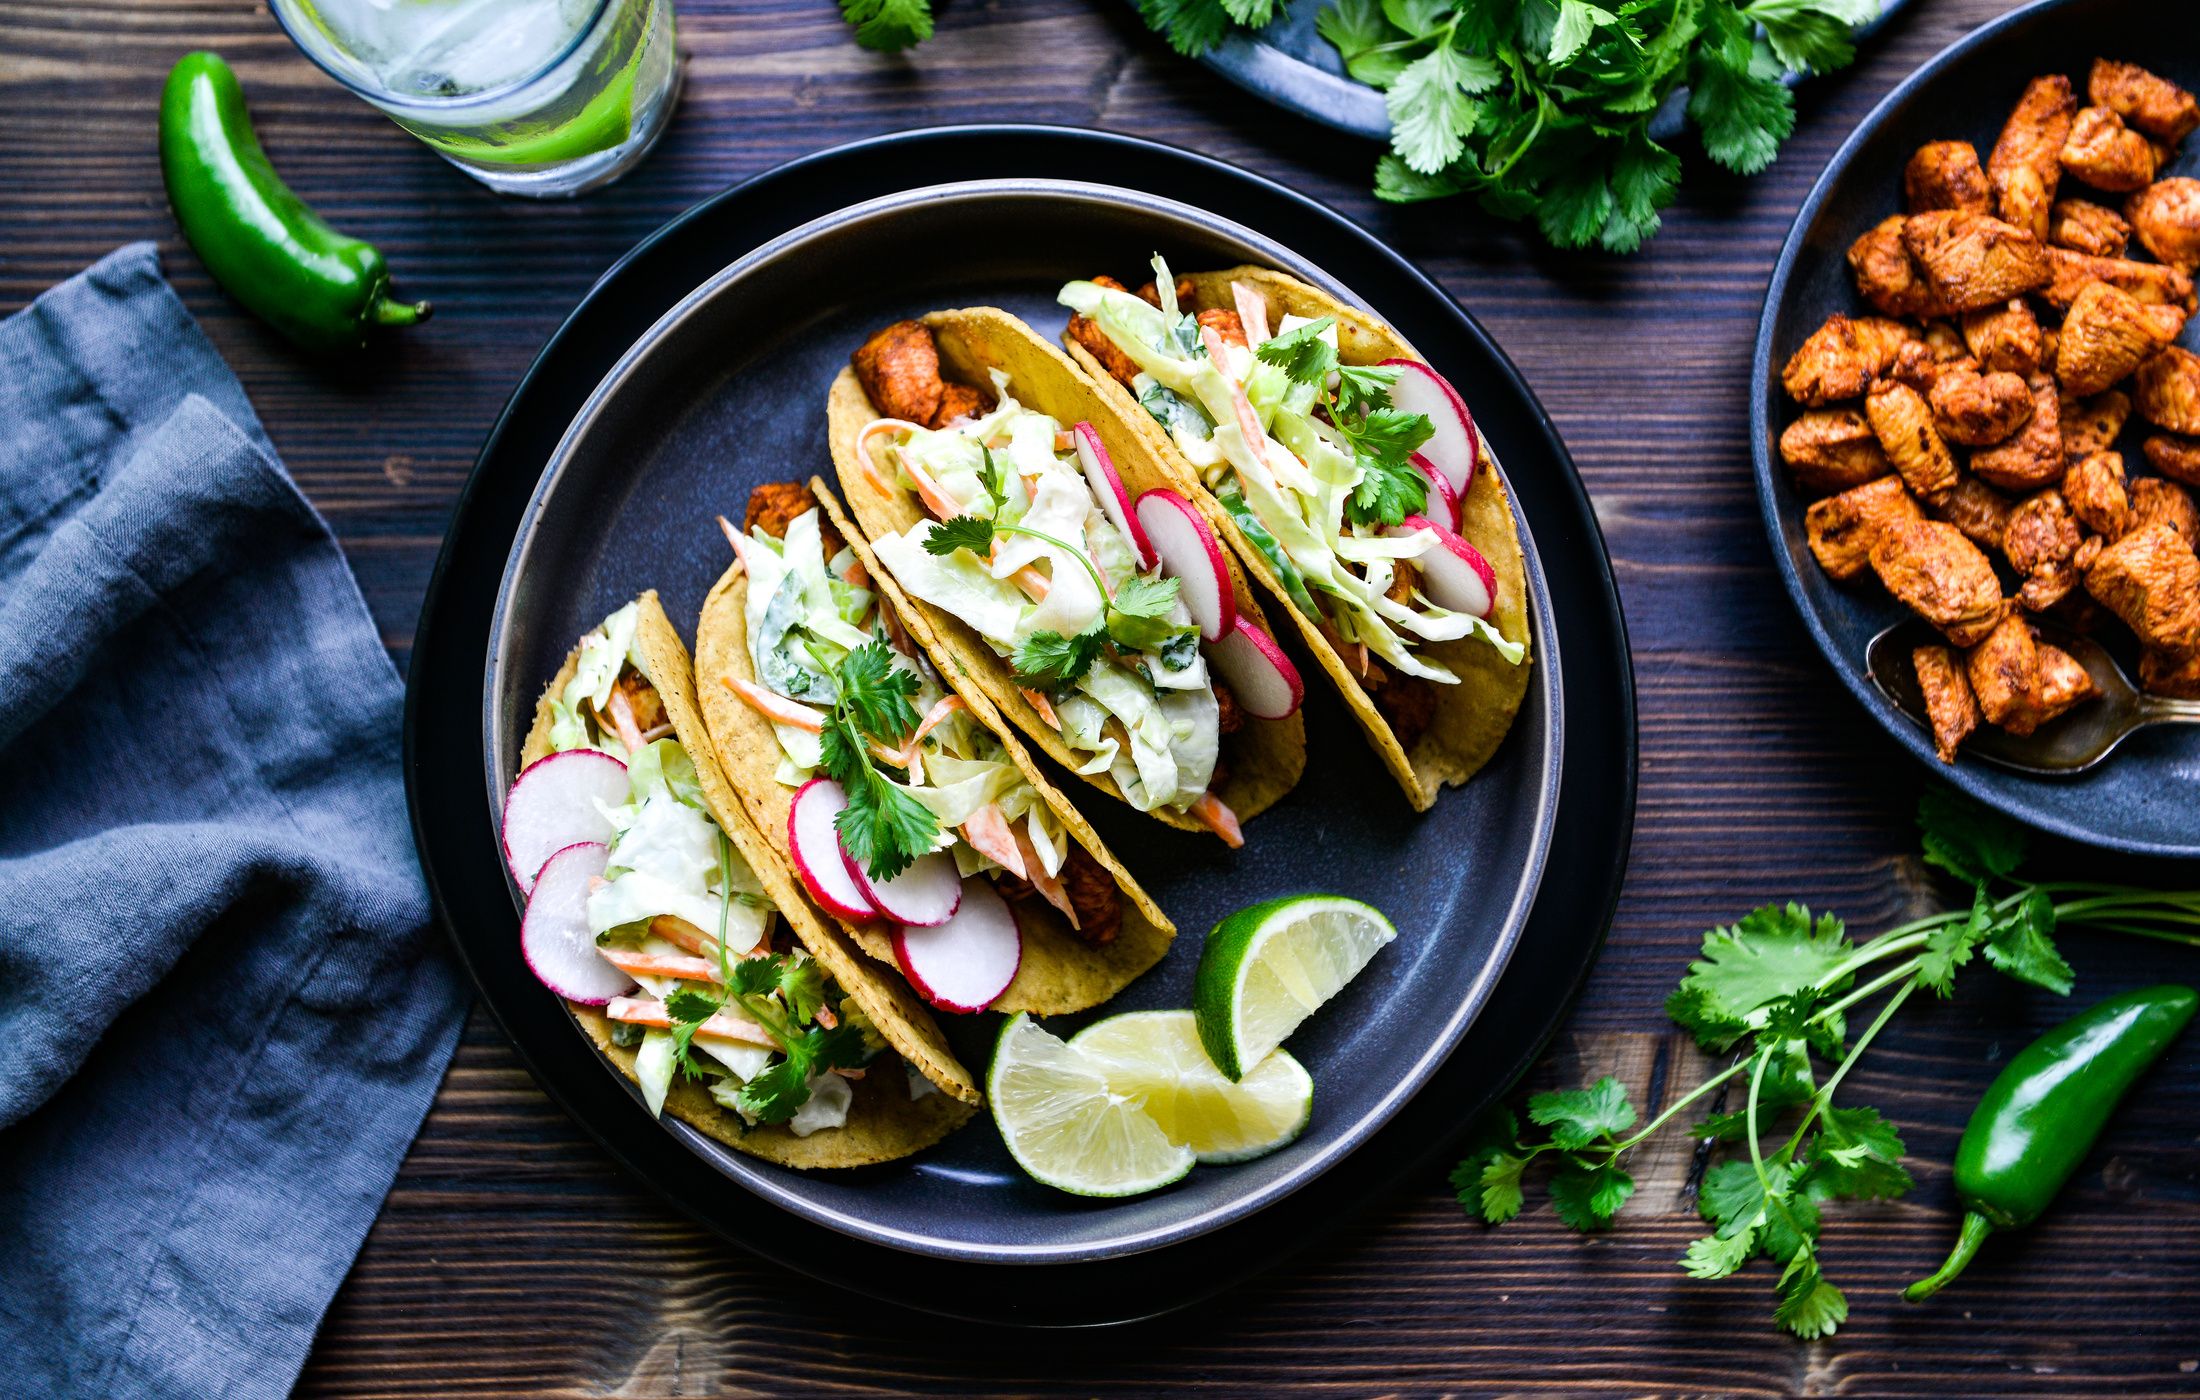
1267	967
1065	1126
1154	1058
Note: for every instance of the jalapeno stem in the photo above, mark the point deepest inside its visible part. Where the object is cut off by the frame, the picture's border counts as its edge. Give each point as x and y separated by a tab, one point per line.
385	312
1976	1228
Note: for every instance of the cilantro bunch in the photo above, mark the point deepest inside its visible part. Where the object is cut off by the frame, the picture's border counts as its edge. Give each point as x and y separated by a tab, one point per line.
1381	438
1778	991
889	25
1542	108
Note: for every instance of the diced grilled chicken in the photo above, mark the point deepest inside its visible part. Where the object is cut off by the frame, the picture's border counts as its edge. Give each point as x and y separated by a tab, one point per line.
2107	334
1971	261
1941	576
1843	528
2166	216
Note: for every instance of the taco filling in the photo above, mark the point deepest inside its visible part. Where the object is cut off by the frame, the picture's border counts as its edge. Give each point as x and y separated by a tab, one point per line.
925	774
1312	462
1021	552
722	994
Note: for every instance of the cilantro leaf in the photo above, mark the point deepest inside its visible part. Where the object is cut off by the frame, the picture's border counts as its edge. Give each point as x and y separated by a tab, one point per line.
1812	36
1645	178
971	532
1855	1156
1501	1196
1146	597
876	692
889	24
1734	1198
688	1005
1578	1117
1301	353
1386	493
1717	1255
1047	660
1587	1197
1948	948
777	1092
1965	839
1399	183
1810	1307
1364	388
1391	434
1772	953
1430	109
1366	41
2022	945
1736	98
1487	1178
884	828
1191	26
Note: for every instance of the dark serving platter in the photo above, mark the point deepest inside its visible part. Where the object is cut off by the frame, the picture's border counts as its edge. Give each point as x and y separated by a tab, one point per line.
932	1233
2141	800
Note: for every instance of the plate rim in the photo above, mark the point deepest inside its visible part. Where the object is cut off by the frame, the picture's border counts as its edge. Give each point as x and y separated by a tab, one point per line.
1911	737
1572	919
783	1188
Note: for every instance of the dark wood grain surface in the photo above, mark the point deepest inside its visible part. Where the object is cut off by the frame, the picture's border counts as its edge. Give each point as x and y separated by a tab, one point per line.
515	1258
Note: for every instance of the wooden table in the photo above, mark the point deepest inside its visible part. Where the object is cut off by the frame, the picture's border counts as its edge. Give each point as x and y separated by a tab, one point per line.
515	1258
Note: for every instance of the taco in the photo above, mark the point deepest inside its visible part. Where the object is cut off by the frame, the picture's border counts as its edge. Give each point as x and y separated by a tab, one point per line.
798	637
1047	563
1382	527
743	1013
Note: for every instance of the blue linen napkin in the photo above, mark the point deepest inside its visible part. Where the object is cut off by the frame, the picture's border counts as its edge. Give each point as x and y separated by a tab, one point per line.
223	1006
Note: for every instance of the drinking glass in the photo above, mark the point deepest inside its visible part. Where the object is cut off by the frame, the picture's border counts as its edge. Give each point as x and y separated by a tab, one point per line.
543	98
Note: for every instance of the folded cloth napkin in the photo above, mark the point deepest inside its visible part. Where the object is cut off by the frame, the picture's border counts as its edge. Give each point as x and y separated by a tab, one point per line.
223	1006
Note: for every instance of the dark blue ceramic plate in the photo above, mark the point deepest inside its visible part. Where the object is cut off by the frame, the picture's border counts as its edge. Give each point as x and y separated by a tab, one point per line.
2143	799
838	1229
1294	67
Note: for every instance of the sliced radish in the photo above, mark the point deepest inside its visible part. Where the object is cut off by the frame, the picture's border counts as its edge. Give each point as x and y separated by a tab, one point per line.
1443	501
554	935
1259	674
815	843
926	894
1454	574
552	805
1189	554
1454	448
965	963
1107	488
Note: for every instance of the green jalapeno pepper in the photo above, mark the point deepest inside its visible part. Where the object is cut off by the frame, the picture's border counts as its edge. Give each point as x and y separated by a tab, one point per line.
323	289
2041	1116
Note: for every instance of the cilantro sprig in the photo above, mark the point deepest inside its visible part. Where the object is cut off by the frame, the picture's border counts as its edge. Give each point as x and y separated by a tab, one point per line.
1136	618
1778	988
1542	108
888	25
1382	438
783	994
884	828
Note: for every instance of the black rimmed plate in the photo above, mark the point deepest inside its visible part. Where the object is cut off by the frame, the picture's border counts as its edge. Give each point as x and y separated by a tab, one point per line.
884	1214
2142	799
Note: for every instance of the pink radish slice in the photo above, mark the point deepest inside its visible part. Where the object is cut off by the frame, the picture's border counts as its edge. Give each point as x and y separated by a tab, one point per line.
1454	575
966	963
552	805
1456	445
816	848
1107	488
1443	502
1259	674
554	935
1189	554
924	895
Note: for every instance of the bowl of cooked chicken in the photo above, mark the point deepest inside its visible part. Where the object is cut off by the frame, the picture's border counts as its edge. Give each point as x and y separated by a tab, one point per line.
1977	411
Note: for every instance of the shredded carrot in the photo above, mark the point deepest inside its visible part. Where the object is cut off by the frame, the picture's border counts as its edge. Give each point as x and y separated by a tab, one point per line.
933	719
677	931
845	1073
1044	706
1063	443
825	1017
1252	310
1218	819
622	720
636	1011
774	706
1035	870
660	965
989	835
739	541
863	450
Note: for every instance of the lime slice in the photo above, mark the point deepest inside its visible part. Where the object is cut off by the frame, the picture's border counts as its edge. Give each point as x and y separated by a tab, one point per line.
1267	967
1154	1058
1064	1125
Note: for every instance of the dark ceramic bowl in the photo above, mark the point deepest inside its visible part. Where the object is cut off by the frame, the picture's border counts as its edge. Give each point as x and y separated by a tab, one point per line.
727	390
2143	799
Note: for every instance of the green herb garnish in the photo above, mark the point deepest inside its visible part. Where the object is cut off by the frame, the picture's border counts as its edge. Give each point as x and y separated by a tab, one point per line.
1382	439
884	827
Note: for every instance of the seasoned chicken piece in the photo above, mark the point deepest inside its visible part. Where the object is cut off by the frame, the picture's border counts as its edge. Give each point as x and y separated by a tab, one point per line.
2091	425
2174	676
1975	508
2158	502
2166	391
1832	449
1941	576
1187	294
1945	341
959	401
1916	365
1948	699
2064	682
2154	105
1971	261
2151	580
2034	457
1885	275
1843	528
776	503
2026	162
2177	458
1976	409
2004	338
2166	216
2053	583
2151	282
2088	228
2004	671
2106	335
2094	486
1841	359
899	367
2041	532
1946	175
1225	324
1087	333
1903	422
2106	154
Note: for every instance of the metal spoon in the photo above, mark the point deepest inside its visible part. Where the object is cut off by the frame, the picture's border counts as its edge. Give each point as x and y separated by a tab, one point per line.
2068	744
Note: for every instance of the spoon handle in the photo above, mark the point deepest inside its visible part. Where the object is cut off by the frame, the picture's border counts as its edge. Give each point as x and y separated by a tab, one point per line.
2157	709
